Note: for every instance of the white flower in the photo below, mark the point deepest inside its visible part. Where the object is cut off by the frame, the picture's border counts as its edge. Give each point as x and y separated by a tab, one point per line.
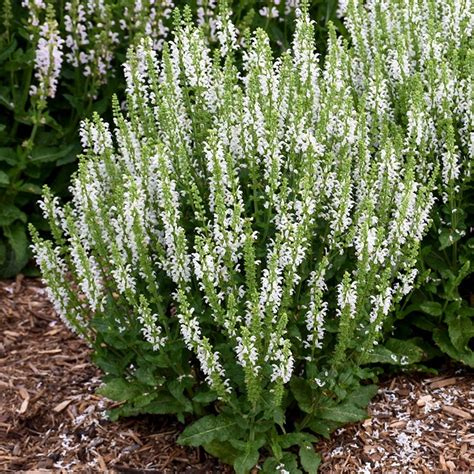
48	59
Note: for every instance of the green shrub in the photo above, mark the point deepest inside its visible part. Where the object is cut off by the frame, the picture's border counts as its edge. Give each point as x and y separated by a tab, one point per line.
233	250
425	58
59	62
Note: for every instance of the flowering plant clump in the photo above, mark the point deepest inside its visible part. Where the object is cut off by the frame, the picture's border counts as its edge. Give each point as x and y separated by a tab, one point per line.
424	61
61	61
233	249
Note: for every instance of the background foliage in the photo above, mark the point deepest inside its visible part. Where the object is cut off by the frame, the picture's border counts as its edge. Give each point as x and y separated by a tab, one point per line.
39	145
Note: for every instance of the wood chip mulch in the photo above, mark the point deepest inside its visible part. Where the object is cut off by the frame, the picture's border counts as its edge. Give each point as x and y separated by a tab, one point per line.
51	419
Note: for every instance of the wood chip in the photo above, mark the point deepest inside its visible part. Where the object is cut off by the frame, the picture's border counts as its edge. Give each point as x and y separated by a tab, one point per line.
451	466
442	462
102	463
24	393
444	382
61	406
53	332
456	412
24	406
422	401
51	351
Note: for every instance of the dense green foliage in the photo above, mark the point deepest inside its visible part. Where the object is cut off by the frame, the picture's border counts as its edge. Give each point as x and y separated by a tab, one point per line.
87	43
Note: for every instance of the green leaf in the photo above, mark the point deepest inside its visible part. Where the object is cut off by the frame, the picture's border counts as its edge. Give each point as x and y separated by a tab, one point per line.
75	102
396	352
48	154
441	338
288	462
176	389
162	405
8	155
209	428
423	322
461	330
31	189
71	155
301	390
205	397
323	427
447	238
433	308
8	50
146	376
5	98
292	439
309	458
17	252
361	396
247	460
4	179
222	450
3	253
342	413
10	213
120	390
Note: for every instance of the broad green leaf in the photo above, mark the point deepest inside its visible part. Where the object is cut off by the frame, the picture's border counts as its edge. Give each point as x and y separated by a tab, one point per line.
288	462
8	50
342	413
71	155
76	102
176	389
49	154
301	390
309	458
396	352
8	155
205	397
270	466
433	308
448	237
461	330
292	439
146	376
323	427
441	337
162	405
31	189
120	390
209	428
247	460
423	322
222	450
361	396
4	179
17	252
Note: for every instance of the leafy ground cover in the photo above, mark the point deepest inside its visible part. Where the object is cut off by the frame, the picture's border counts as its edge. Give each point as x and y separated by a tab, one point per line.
51	418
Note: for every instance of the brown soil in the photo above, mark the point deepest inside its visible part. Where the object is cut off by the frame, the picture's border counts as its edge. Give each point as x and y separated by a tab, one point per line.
51	419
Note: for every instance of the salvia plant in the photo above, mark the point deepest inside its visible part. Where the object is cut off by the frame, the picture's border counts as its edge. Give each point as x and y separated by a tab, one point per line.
234	248
424	58
61	60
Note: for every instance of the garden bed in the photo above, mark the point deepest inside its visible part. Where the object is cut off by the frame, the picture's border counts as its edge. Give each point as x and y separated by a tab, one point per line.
50	417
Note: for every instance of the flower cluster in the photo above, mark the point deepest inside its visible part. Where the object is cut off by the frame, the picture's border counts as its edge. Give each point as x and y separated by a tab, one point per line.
48	58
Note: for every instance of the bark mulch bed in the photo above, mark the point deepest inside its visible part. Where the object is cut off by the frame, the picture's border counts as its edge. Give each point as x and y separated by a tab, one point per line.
51	419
